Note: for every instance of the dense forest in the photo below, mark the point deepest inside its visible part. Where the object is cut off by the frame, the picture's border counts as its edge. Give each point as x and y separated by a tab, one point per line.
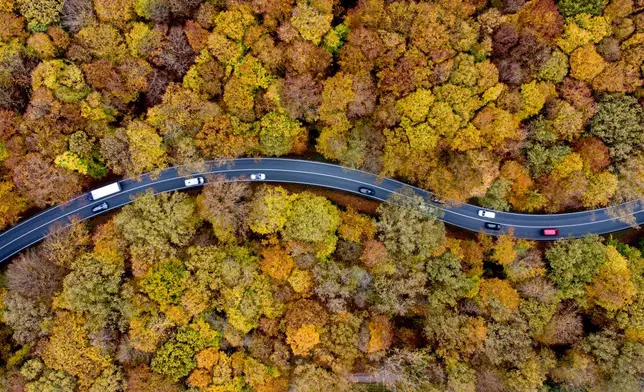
266	290
517	105
532	106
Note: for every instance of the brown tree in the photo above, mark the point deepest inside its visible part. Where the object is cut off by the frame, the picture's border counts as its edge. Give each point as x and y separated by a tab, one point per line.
44	183
223	203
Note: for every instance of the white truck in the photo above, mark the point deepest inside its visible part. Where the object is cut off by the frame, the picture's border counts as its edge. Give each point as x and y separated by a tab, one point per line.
104	191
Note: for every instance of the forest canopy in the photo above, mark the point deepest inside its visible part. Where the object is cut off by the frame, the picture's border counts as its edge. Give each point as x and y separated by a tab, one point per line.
532	106
238	289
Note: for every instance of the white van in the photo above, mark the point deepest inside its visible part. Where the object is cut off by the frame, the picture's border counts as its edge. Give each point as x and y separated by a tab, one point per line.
194	181
487	214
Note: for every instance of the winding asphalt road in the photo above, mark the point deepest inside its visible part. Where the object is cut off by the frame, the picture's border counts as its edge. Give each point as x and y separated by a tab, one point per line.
326	175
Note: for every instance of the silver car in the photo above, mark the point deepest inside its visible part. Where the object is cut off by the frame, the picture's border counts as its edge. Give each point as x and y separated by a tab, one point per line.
258	176
100	207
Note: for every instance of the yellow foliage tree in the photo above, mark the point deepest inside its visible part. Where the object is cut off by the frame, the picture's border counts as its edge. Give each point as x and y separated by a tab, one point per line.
356	227
380	334
303	339
69	350
496	126
146	147
276	262
601	188
269	210
582	30
498	298
612	288
504	251
534	96
311	22
12	203
301	281
586	63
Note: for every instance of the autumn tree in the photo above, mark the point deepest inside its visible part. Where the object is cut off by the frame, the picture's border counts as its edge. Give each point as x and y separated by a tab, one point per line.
146	149
312	219
407	230
69	350
619	123
91	288
175	359
572	8
223	204
35	276
410	370
40	13
44	183
573	264
612	287
26	317
309	378
153	225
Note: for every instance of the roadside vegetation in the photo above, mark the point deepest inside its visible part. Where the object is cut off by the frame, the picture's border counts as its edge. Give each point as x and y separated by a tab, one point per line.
518	105
241	289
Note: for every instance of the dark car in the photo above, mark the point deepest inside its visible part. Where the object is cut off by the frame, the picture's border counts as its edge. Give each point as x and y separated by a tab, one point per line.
549	232
492	226
437	200
100	207
366	191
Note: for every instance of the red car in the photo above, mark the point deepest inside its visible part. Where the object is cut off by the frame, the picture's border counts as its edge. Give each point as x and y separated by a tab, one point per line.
550	232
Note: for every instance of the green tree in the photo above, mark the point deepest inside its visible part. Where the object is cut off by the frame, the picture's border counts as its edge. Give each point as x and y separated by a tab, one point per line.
574	7
50	381
573	263
619	122
110	380
279	134
40	13
448	283
154	225
166	282
92	288
175	358
409	227
64	79
312	219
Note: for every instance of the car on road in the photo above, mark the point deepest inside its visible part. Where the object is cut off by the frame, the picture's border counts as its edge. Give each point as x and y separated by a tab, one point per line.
194	181
487	214
100	207
258	176
437	200
366	191
550	232
492	226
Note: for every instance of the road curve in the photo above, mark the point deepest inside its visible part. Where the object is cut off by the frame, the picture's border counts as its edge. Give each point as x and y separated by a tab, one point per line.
326	175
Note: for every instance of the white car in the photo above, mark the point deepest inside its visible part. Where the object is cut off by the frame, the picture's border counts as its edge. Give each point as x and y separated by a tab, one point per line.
487	214
194	181
258	176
